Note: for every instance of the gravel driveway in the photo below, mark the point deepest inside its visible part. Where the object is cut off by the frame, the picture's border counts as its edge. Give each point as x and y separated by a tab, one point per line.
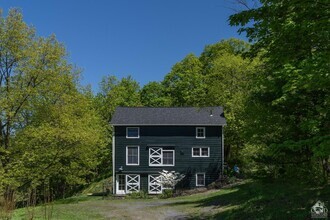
141	210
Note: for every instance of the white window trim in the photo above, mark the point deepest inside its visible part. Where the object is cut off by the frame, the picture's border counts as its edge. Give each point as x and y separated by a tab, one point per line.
132	137
168	165
129	164
197	179
203	132
150	184
161	159
200	152
128	183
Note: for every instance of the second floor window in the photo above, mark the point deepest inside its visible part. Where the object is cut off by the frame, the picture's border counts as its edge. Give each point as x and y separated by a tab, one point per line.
200	132
132	155
132	132
161	157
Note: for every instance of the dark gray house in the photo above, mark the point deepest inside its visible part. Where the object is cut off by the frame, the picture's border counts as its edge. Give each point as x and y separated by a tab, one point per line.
147	140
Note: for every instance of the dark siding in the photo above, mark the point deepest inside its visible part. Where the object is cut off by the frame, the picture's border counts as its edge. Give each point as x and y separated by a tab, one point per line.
179	138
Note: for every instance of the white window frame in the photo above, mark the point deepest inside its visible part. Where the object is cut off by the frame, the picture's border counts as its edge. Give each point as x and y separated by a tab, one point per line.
132	137
153	184
204	132
132	182
168	165
200	152
197	179
160	156
130	164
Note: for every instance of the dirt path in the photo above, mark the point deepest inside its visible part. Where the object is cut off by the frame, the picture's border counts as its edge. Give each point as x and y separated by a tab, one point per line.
141	210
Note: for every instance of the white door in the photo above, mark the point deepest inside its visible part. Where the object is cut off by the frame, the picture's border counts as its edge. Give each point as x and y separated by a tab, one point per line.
120	184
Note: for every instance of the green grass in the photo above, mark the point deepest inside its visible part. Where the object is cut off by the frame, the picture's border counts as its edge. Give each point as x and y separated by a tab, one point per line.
248	200
256	200
98	187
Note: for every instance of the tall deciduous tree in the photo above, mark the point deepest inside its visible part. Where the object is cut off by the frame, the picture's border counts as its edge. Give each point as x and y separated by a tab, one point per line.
114	93
185	84
49	130
220	76
211	52
229	84
293	40
153	95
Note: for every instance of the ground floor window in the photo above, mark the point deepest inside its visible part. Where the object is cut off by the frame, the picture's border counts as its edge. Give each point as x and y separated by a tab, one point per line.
154	187
200	179
121	182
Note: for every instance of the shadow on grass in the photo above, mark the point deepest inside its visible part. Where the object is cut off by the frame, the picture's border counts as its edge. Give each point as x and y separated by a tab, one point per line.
258	200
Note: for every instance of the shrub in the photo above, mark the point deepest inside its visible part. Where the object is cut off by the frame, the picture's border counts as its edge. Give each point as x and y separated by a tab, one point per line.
138	195
167	193
169	179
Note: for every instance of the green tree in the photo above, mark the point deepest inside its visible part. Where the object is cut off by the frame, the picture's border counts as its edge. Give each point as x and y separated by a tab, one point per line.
62	145
114	93
229	77
219	77
47	127
292	93
212	52
153	95
229	85
185	84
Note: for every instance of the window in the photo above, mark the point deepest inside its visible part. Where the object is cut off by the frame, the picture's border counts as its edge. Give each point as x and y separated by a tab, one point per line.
132	132
200	152
121	182
160	157
200	132
132	155
200	179
168	157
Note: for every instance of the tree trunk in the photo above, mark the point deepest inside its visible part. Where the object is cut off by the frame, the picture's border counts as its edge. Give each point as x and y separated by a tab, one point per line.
9	201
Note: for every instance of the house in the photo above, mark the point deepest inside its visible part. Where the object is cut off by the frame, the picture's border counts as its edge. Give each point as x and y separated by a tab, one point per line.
147	140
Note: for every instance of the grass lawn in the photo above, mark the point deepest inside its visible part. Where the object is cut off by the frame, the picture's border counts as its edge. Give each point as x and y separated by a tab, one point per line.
248	200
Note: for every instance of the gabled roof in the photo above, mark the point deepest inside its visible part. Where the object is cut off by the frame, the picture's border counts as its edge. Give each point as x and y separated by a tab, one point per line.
168	116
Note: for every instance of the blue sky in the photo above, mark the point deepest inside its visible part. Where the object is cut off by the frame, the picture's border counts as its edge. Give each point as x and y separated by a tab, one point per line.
142	38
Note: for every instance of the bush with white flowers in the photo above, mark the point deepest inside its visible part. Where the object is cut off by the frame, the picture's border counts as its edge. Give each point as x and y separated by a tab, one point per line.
169	179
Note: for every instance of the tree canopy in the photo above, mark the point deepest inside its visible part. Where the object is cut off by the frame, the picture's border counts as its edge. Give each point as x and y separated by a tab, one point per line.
50	133
55	134
292	91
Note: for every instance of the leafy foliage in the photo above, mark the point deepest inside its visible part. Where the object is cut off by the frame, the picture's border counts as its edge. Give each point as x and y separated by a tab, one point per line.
153	95
185	84
292	38
50	134
219	76
167	193
114	92
138	195
229	79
